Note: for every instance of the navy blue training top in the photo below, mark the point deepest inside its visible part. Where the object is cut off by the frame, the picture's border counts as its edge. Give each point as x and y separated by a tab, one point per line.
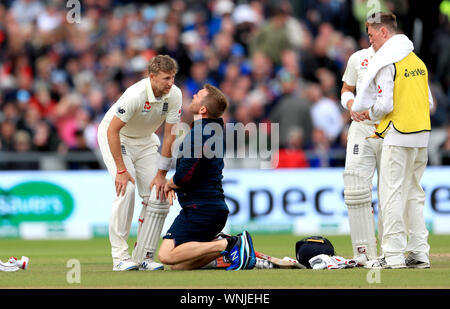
200	163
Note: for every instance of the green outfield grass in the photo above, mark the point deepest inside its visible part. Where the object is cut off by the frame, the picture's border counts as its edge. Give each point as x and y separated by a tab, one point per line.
49	258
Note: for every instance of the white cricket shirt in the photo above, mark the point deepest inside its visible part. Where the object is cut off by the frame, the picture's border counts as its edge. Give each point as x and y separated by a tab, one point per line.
354	73
142	112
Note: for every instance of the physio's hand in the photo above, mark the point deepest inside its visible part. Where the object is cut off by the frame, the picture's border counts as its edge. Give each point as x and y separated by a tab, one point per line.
170	196
167	188
121	182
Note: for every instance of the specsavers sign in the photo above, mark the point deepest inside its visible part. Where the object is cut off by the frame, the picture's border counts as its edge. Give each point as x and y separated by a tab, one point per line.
35	201
310	201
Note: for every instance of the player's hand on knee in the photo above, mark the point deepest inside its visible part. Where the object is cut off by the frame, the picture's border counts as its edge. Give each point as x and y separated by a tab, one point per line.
122	181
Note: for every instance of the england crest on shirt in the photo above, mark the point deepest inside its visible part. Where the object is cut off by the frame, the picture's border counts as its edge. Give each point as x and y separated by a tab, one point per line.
165	108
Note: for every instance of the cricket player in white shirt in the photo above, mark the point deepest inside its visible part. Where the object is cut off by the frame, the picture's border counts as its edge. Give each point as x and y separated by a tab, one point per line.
362	159
129	147
403	106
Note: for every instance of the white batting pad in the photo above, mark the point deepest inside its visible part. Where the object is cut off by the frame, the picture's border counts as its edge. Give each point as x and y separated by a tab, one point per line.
358	198
151	222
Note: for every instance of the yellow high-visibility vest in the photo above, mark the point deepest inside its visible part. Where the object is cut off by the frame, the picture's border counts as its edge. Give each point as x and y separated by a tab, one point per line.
411	113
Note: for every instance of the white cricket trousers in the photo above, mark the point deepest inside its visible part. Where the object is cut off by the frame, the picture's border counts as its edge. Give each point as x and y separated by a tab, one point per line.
141	160
363	154
402	200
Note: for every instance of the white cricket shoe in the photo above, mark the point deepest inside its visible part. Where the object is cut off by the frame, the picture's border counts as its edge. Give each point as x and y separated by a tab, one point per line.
149	264
380	263
23	262
412	262
14	265
9	266
125	264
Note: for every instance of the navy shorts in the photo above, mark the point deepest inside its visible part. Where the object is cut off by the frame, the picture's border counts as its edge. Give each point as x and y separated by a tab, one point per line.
197	223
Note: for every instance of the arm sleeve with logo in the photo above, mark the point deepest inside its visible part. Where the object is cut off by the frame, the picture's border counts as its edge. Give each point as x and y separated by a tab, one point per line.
127	105
384	84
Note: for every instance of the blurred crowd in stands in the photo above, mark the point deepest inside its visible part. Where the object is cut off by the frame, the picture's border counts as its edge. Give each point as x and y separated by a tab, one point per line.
277	61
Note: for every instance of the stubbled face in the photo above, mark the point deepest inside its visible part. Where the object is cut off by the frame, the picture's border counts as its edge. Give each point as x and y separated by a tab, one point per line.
162	82
376	37
196	103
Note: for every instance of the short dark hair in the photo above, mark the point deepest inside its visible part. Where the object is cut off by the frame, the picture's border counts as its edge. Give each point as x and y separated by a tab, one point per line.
382	19
215	101
162	63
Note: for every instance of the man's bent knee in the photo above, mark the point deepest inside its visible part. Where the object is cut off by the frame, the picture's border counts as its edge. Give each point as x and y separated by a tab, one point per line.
164	257
164	253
